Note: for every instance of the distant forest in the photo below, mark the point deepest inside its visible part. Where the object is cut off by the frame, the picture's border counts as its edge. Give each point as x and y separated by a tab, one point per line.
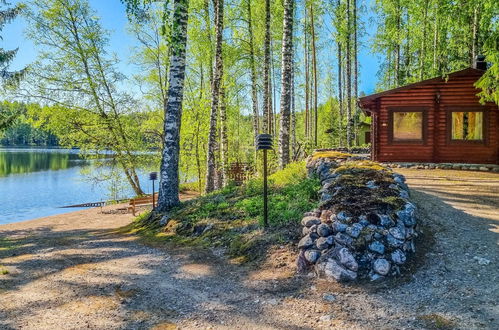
23	131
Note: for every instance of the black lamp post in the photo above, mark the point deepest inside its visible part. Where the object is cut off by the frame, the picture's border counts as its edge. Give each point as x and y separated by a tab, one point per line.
153	176
264	142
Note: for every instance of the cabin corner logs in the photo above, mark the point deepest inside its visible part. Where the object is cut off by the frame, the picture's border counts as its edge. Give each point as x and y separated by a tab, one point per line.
365	225
436	99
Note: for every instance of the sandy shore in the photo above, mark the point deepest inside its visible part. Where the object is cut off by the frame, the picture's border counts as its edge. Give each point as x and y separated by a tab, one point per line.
97	218
70	271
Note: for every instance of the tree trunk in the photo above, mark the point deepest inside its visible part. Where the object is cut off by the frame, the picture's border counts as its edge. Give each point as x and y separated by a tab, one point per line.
254	88
286	82
349	79
224	142
217	78
356	70
266	70
169	182
314	68
474	35
340	78
305	48
423	43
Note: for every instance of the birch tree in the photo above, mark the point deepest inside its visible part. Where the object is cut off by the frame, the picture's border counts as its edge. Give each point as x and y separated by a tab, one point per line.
216	83
286	82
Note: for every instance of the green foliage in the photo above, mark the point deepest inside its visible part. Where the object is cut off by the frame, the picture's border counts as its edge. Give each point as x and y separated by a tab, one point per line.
489	82
235	214
426	39
293	173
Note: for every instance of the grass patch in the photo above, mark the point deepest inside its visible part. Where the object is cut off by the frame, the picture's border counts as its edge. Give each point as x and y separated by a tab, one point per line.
435	321
232	217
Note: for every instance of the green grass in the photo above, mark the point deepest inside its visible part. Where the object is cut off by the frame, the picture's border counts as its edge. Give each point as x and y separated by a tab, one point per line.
234	215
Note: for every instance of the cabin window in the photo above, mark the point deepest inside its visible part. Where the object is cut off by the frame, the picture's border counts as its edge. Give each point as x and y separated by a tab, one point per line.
408	126
467	126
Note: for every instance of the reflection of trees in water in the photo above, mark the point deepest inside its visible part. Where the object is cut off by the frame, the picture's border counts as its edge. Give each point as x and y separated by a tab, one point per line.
26	162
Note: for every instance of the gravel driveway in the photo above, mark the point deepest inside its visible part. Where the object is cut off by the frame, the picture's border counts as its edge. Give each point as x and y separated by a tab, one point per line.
71	272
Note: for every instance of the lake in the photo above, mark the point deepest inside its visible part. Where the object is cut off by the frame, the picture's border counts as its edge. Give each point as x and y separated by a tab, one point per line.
37	182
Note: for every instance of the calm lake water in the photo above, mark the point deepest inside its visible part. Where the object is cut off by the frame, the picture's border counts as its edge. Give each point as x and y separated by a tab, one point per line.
38	182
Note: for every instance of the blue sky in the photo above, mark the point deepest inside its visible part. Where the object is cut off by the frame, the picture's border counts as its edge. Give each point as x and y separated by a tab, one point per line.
113	18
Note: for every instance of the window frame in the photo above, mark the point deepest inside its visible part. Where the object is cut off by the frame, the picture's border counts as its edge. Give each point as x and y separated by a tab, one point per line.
485	125
424	136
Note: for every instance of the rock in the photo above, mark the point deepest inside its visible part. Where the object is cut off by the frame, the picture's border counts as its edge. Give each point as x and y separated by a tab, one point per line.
324	230
305	231
164	220
377	247
346	258
386	221
393	186
326	197
323	243
301	263
314	213
409	246
481	261
326	216
312	229
397	233
305	242
407	216
337	272
326	318
398	178
342	216
329	297
409	233
343	239
381	266
404	194
312	255
393	242
398	257
338	227
309	221
483	168
353	231
375	277
371	184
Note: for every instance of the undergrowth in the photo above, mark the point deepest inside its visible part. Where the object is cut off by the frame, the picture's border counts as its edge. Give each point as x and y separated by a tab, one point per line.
232	217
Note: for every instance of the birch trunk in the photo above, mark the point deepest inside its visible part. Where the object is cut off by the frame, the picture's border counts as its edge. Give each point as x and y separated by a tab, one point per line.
314	70
305	48
349	79
217	78
286	82
340	79
169	178
254	89
266	70
224	141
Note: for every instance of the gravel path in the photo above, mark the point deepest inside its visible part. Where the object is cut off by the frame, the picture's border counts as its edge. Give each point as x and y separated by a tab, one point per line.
71	272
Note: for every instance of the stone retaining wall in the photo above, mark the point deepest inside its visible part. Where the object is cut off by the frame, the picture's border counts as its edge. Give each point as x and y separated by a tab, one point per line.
365	224
447	166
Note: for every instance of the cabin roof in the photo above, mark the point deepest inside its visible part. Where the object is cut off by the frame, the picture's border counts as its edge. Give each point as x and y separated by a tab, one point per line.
366	102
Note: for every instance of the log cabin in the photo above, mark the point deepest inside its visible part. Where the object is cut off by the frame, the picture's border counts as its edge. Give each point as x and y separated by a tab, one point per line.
438	120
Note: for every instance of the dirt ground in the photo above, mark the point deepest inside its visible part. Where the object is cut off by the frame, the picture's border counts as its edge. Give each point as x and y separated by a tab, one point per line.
71	271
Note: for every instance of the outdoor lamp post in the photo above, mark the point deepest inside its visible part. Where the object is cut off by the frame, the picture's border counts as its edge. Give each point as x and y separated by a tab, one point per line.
264	142
153	176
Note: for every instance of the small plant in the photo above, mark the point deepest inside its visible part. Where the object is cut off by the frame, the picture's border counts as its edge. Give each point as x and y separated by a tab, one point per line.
3	271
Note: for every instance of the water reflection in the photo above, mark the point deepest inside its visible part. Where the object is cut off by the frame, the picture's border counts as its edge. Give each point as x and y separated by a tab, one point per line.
22	161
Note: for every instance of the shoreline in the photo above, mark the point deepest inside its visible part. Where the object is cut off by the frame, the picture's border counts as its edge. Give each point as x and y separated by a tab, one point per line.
87	217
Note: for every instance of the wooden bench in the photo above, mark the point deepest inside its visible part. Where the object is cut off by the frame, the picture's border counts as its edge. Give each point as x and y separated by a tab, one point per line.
141	201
